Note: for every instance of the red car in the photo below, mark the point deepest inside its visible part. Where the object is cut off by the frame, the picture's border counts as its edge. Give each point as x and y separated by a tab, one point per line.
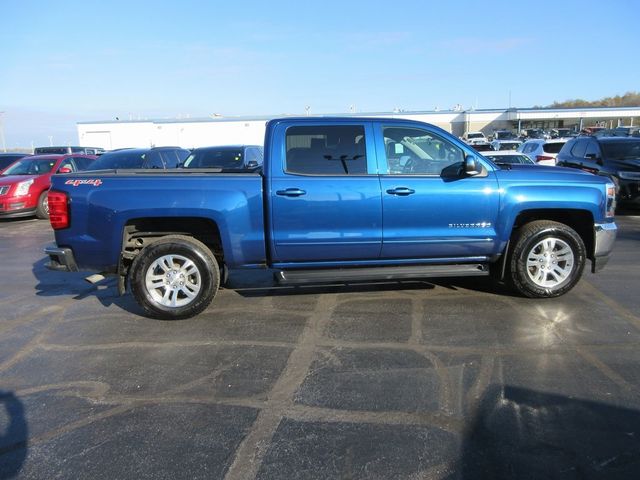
25	183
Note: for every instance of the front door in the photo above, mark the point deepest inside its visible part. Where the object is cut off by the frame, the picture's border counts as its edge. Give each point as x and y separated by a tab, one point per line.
430	208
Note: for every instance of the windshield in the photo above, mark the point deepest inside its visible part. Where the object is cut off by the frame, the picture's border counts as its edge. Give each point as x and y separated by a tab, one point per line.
122	159
211	158
504	135
621	150
31	167
553	147
508	145
475	135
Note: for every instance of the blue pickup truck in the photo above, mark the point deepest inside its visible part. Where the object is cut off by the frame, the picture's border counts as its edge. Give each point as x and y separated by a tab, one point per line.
337	200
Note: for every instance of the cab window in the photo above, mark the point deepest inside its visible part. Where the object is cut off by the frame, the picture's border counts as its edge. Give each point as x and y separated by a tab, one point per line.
326	150
413	151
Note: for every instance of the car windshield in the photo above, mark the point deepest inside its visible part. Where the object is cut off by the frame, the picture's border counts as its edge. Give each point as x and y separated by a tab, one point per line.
510	159
475	135
31	167
508	145
621	150
122	159
232	159
500	135
553	147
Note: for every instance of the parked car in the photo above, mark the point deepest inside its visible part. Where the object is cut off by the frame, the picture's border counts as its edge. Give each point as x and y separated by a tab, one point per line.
24	185
503	135
619	132
482	147
338	200
591	130
543	152
531	133
615	157
134	158
509	157
65	150
506	144
228	158
473	138
563	133
7	159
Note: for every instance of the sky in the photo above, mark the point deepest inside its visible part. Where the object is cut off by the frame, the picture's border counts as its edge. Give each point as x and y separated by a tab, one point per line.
66	61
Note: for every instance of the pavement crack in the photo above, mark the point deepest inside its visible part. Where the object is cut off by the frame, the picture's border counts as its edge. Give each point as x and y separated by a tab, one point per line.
251	452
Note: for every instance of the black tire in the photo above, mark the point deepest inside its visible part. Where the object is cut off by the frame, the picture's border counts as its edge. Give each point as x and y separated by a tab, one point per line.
547	259
42	209
151	269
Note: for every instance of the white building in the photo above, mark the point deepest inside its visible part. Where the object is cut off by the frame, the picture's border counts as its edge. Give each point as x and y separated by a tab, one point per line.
199	132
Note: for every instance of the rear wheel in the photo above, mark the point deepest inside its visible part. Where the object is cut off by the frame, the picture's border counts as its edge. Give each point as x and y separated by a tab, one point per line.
42	209
176	277
547	260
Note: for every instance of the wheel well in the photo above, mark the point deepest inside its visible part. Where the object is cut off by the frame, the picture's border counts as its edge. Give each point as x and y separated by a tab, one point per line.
580	220
140	232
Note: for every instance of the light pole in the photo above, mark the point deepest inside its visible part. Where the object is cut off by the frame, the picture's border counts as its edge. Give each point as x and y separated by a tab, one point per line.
4	145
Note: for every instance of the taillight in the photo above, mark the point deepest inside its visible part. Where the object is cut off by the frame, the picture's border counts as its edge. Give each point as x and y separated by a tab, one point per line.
540	158
58	210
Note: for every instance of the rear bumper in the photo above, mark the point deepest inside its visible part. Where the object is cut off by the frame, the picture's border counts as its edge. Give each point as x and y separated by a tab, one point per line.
605	236
61	259
17	212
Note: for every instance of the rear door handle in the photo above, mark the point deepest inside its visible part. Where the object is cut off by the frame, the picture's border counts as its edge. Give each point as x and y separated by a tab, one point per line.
402	191
291	192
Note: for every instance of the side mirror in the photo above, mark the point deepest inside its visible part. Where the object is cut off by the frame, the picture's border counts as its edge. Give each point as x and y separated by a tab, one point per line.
252	164
471	165
64	170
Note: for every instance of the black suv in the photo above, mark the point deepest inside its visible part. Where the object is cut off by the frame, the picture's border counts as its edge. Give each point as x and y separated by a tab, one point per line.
128	158
614	157
7	159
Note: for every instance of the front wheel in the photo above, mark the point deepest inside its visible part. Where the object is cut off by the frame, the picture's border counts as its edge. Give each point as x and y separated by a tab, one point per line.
547	260
42	209
176	277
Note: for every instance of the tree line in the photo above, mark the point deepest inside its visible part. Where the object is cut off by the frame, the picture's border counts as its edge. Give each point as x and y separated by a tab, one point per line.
629	99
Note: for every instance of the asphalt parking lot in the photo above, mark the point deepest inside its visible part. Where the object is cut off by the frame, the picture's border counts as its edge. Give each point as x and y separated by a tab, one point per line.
455	379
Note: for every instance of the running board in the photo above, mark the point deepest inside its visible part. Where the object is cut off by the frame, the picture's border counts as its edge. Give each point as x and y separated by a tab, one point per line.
380	273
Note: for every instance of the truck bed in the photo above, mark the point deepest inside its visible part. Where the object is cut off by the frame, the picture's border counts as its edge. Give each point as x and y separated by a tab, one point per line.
105	202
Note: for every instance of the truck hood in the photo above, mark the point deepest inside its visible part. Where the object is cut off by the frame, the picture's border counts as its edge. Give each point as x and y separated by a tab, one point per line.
540	173
13	179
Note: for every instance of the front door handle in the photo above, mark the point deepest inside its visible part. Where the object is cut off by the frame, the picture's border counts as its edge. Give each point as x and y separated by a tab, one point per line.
402	191
291	192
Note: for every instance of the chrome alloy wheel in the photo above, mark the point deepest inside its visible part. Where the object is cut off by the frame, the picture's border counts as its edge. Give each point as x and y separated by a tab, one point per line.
173	281
550	262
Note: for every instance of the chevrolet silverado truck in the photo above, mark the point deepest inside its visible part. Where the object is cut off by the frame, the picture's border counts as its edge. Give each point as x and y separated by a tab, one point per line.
337	200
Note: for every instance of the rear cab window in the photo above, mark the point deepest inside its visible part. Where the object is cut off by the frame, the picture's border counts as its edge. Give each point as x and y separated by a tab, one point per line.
336	150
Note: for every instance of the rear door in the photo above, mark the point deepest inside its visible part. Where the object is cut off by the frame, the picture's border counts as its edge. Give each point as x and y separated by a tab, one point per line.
430	210
325	202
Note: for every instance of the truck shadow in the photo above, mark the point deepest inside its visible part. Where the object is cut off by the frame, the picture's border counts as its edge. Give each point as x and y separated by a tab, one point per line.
53	284
261	284
247	284
14	435
522	433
